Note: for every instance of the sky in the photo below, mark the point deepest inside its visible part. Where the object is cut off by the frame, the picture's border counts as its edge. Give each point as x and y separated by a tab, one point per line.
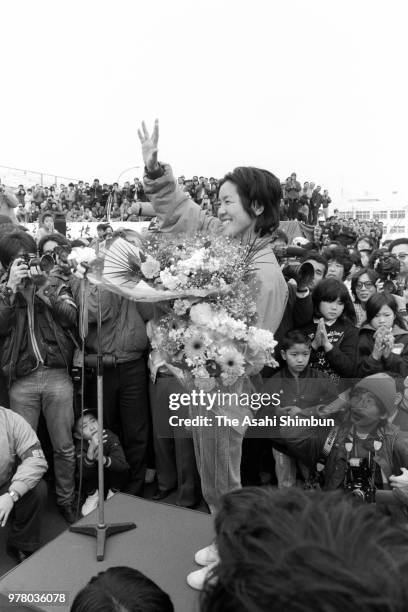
315	86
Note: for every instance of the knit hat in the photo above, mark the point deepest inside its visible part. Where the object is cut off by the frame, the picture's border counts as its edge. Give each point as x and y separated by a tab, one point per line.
383	387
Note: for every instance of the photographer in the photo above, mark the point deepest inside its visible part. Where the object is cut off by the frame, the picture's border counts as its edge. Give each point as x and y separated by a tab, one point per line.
365	435
37	318
399	248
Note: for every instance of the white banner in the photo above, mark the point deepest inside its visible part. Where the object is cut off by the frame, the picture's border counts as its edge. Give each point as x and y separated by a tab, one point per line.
88	230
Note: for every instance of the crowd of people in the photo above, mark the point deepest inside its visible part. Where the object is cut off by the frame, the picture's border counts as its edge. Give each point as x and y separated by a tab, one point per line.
337	306
83	201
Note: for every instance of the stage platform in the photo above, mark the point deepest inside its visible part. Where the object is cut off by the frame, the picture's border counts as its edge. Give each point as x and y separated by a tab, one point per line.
162	547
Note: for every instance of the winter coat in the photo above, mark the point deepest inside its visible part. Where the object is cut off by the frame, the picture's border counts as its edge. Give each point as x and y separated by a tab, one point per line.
366	364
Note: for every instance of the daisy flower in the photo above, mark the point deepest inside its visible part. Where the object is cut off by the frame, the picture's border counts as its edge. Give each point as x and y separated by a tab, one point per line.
231	361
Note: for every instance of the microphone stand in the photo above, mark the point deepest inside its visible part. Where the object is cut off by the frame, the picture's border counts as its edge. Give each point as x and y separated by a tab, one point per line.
101	531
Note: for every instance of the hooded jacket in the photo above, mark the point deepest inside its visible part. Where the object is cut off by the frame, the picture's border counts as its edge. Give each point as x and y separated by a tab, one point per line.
366	364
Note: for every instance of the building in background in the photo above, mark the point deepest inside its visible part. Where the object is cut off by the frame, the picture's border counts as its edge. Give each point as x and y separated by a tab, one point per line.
391	209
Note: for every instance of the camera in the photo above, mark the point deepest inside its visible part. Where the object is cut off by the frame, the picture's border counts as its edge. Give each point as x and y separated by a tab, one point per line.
388	268
302	273
45	263
358	480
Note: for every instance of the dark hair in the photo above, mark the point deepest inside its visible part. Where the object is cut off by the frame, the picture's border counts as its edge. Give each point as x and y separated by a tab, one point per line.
315	256
397	242
355	258
257	186
299	551
121	589
58	238
44	216
11	243
366	239
296	336
377	301
329	290
372	275
341	256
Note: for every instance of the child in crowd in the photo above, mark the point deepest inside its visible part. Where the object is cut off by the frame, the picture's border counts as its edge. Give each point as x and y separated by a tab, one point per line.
333	333
302	391
383	339
115	465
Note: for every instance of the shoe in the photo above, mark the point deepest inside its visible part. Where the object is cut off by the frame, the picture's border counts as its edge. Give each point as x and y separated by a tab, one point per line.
207	555
197	579
91	503
150	476
68	513
161	494
17	554
110	494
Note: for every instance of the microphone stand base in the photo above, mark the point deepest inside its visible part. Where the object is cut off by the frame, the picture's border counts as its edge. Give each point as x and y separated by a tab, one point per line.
101	533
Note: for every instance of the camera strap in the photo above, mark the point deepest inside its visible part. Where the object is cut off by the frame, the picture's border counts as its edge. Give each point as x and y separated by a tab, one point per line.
328	445
316	480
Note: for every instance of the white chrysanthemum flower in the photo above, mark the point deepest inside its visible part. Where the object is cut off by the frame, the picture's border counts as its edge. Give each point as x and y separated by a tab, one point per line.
261	339
201	314
150	268
169	281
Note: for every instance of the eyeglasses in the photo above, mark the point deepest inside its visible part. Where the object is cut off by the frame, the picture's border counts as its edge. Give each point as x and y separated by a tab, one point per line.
366	285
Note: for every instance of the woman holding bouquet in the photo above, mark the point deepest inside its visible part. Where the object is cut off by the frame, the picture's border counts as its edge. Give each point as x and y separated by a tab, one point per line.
249	210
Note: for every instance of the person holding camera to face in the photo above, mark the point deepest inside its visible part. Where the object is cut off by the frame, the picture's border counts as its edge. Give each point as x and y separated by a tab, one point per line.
363	454
38	318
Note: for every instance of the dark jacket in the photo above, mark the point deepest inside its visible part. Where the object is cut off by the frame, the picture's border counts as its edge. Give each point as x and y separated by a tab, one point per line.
306	444
398	364
39	331
340	362
311	389
123	325
298	312
112	450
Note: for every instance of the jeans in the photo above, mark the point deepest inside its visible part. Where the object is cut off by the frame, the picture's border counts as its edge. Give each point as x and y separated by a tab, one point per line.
125	412
218	451
50	390
25	518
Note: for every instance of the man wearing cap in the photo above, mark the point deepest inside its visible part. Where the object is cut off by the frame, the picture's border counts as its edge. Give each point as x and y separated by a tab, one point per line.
364	433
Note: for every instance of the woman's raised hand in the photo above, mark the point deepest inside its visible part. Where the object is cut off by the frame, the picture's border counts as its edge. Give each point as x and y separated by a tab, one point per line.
149	146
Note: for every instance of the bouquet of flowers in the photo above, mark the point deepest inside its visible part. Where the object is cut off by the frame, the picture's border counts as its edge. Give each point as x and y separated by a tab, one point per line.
206	334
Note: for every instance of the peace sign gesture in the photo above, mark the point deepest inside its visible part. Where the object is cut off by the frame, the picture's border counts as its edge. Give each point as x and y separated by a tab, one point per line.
149	146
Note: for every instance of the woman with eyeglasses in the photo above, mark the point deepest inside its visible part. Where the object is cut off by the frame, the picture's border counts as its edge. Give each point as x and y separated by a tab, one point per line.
363	286
365	283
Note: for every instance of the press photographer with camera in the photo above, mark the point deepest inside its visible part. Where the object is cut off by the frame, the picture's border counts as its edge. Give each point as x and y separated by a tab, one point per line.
361	455
38	317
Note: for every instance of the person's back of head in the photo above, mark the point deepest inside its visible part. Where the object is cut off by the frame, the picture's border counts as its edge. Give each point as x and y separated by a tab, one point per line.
299	551
121	589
